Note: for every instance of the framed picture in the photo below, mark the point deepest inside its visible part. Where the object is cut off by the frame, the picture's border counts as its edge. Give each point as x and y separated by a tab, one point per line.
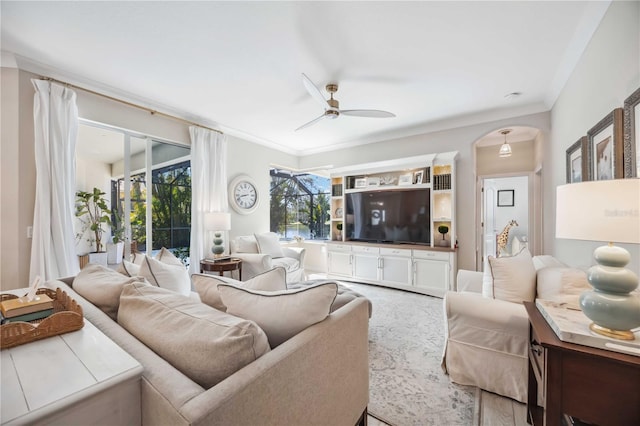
605	147
373	181
418	176
361	183
505	197
631	152
578	162
405	179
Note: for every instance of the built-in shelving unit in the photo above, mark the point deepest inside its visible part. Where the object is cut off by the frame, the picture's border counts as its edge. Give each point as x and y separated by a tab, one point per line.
428	268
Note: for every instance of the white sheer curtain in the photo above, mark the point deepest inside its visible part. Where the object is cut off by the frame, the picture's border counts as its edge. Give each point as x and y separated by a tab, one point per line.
208	187
56	127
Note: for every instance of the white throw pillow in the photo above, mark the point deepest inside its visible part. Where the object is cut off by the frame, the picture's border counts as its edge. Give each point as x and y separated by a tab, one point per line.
138	258
165	256
204	344
514	278
281	314
269	243
246	244
168	276
562	285
102	287
207	285
129	269
547	261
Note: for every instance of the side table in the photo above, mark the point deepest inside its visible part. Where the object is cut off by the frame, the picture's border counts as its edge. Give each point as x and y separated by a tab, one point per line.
74	378
594	385
221	266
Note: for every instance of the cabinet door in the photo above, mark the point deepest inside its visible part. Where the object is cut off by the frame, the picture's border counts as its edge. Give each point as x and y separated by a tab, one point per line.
431	275
339	263
395	270
365	266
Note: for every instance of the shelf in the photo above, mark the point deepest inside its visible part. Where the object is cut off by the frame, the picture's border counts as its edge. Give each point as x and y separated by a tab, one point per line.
442	219
388	187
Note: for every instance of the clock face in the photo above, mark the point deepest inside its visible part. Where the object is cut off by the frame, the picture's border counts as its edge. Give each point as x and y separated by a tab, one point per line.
243	194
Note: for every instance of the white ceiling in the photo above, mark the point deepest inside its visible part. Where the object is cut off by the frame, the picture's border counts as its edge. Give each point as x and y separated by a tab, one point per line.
237	66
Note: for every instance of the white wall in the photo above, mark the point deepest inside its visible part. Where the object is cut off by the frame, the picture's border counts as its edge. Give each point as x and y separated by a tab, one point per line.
607	73
92	174
520	210
522	159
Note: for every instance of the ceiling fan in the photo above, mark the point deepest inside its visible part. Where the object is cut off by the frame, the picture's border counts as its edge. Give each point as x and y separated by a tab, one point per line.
332	106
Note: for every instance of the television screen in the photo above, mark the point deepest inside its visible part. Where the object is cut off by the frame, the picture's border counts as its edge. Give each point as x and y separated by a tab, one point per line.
394	216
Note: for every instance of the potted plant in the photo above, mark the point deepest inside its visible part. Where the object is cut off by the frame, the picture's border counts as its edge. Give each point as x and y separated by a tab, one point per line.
443	229
93	213
115	249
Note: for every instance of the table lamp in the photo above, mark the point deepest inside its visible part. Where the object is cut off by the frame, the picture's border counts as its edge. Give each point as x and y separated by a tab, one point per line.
217	222
607	210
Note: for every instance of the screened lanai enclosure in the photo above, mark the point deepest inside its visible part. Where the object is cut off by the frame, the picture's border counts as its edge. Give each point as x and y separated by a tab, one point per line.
300	204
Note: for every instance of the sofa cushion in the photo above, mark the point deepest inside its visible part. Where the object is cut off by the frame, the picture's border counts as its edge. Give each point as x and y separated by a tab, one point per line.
203	343
246	244
281	314
512	278
344	296
269	243
169	276
207	285
562	284
102	287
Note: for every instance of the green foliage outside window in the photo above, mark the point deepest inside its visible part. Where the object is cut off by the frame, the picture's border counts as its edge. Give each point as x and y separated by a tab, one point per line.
299	205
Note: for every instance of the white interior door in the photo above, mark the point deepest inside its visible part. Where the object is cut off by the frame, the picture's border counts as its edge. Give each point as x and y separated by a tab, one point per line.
489	220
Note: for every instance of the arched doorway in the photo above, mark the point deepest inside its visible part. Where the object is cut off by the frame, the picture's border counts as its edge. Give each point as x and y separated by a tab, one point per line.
508	189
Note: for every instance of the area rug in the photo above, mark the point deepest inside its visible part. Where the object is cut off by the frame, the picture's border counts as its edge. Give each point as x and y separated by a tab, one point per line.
407	385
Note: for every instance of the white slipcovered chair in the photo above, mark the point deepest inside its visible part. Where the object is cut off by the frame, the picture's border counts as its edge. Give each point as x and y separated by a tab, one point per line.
486	324
262	252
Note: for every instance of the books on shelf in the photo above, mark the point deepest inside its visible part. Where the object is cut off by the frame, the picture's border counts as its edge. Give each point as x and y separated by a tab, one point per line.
442	182
21	306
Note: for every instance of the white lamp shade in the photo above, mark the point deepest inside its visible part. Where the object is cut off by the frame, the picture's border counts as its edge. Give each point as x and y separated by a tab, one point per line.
607	210
505	150
217	221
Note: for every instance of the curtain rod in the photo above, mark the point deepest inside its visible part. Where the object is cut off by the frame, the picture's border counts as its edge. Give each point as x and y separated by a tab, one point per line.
151	111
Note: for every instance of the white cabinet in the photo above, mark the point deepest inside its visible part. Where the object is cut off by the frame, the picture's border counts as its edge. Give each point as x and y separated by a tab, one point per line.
426	271
339	260
395	266
432	272
366	262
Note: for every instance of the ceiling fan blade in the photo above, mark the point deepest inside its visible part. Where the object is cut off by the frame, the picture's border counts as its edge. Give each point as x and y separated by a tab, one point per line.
314	121
373	113
314	91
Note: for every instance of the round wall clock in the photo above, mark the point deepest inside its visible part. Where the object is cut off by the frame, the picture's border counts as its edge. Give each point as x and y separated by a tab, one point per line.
243	194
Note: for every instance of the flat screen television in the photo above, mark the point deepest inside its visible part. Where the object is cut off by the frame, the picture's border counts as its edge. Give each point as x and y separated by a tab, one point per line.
393	216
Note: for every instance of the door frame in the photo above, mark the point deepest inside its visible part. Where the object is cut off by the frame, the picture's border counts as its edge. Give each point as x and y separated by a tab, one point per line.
535	211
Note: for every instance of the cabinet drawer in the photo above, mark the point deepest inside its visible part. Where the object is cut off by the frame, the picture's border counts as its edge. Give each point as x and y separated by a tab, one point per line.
338	247
431	255
366	249
395	252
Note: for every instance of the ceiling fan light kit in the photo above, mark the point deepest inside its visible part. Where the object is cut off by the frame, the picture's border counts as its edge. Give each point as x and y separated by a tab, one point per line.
332	106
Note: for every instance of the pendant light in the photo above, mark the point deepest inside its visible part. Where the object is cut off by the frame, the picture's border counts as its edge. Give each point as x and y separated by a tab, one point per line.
505	149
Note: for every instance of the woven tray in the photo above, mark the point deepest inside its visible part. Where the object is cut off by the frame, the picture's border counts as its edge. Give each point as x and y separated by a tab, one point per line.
67	316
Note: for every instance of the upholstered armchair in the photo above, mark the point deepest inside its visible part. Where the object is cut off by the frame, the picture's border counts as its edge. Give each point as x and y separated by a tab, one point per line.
486	324
263	252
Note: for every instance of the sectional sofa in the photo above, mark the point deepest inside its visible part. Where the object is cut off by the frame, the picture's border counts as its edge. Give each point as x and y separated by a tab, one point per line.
319	376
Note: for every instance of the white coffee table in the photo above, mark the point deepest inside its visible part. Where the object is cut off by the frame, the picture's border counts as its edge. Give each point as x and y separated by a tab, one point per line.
81	377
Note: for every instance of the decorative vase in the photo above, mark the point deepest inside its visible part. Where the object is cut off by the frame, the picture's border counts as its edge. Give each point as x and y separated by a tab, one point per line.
218	247
115	252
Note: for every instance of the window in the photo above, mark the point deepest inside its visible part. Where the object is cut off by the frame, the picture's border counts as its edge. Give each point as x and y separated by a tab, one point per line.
299	205
171	206
129	167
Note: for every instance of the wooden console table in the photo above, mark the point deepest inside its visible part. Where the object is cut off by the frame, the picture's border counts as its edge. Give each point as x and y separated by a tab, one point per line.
594	385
